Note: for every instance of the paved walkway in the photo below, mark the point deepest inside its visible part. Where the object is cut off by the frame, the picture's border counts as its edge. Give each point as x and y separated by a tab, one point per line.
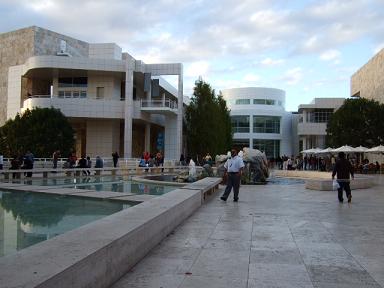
275	236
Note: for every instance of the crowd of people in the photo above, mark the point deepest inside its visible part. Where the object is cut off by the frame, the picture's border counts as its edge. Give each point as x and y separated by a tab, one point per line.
150	160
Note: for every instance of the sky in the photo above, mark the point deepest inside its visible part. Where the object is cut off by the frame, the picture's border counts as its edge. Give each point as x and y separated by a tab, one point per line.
307	48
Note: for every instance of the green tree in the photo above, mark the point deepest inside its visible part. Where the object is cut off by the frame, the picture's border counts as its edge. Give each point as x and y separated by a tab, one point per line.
356	122
40	130
208	123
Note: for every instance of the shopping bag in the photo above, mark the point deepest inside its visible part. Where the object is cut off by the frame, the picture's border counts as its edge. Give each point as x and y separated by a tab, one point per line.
335	185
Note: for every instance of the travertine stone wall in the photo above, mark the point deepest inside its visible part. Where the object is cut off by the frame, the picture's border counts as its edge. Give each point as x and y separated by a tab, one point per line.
17	46
369	79
48	43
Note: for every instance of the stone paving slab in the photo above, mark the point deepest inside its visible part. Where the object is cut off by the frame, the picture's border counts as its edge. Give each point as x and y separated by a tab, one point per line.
275	236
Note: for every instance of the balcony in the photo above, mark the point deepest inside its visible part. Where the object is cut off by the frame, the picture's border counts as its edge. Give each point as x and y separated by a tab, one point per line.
164	106
78	106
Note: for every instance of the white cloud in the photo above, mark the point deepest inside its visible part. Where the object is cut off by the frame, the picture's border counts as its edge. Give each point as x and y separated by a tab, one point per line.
331	55
378	48
251	77
272	62
293	76
196	69
39	5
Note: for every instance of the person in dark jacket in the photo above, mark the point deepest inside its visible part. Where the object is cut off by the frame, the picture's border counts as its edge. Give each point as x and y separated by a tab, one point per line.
343	169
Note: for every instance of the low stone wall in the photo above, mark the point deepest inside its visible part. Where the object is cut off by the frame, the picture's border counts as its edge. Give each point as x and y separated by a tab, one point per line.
98	254
316	180
326	184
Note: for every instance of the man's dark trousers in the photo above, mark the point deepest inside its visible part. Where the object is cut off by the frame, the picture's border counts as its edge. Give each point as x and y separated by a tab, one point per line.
343	185
233	181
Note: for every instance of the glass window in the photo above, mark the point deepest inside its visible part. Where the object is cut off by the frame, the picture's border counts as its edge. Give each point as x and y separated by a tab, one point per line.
61	94
271	148
83	94
243	101
65	82
263	102
67	94
319	115
266	124
80	82
76	94
240	124
73	82
259	101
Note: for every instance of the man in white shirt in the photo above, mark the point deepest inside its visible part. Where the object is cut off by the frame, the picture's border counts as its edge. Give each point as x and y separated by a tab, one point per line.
233	167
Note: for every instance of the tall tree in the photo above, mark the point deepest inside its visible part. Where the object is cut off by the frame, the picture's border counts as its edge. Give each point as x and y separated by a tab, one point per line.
40	130
357	122
208	124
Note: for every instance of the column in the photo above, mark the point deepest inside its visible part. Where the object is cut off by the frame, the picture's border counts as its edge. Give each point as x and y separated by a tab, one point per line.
147	139
128	105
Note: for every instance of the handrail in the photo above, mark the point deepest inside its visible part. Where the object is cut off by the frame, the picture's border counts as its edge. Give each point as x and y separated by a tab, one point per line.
158	103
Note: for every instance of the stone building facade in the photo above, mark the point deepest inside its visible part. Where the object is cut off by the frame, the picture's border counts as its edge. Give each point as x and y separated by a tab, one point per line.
368	81
113	101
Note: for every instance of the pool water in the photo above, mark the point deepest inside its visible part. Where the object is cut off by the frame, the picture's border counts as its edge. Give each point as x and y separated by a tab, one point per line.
101	183
284	181
27	218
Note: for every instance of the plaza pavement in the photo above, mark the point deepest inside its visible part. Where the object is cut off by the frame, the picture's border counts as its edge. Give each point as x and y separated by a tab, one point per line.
275	236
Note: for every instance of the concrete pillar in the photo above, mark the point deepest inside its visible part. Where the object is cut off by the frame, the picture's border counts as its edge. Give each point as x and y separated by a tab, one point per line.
179	132
129	67
174	126
147	140
170	138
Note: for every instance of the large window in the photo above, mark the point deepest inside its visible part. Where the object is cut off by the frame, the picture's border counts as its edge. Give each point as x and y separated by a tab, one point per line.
243	101
263	102
73	82
240	124
270	147
266	124
319	115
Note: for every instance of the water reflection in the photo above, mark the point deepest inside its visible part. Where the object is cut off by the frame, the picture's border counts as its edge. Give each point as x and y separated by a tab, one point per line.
29	218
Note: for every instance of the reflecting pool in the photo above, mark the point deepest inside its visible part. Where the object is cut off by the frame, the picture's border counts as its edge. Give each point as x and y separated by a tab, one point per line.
27	218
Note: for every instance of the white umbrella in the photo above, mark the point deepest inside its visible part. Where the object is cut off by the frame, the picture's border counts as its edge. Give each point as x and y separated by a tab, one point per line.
377	149
345	149
326	150
311	151
361	149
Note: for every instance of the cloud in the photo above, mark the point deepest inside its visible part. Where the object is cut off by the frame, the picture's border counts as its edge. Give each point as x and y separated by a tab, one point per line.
378	48
203	33
331	55
197	69
251	78
272	62
292	76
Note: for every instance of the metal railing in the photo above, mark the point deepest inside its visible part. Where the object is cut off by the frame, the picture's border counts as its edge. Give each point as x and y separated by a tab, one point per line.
164	103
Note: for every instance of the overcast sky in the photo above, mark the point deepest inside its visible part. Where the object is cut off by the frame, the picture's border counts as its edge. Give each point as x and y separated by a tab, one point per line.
307	48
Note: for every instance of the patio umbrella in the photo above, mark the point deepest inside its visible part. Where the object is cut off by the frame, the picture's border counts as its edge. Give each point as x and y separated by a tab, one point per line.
361	149
311	151
326	150
377	149
345	149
